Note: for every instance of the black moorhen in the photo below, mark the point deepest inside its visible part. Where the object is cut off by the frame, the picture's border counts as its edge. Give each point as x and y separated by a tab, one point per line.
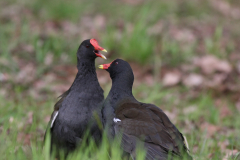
74	112
139	122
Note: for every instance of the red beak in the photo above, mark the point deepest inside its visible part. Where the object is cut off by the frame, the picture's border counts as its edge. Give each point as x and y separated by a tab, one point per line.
105	66
98	48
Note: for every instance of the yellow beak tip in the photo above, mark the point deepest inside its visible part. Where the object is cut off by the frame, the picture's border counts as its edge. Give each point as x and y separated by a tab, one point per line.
104	57
104	50
100	66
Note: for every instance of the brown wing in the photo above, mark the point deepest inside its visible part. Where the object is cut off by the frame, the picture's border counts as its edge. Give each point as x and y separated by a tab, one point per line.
151	125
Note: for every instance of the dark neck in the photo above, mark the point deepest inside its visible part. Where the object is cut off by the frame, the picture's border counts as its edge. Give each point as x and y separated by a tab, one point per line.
85	64
121	90
86	74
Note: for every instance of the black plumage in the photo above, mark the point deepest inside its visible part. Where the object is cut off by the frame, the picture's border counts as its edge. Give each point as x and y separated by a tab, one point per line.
74	113
141	123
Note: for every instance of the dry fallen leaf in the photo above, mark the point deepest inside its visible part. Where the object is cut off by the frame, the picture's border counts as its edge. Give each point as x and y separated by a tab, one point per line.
148	78
193	80
3	77
100	22
210	128
190	109
30	117
171	78
225	111
231	154
223	107
238	106
4	61
223	145
48	59
216	80
26	74
238	67
25	138
188	68
226	8
156	29
210	64
184	35
47	118
70	28
11	119
27	48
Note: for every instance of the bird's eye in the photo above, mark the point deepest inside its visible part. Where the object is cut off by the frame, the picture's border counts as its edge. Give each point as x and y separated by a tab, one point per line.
87	46
116	63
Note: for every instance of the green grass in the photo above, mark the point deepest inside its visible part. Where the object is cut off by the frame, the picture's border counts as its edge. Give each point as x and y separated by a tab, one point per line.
17	125
124	23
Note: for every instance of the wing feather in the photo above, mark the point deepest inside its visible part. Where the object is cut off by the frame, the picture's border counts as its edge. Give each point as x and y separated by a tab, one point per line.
150	125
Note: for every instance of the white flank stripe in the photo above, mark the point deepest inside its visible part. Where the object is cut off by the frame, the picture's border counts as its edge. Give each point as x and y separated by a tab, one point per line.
186	142
116	120
54	118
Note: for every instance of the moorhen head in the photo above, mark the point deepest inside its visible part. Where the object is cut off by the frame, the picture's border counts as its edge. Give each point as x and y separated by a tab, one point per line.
90	49
120	72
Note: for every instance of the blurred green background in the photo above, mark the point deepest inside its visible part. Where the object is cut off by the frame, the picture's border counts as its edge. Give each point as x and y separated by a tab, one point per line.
185	56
